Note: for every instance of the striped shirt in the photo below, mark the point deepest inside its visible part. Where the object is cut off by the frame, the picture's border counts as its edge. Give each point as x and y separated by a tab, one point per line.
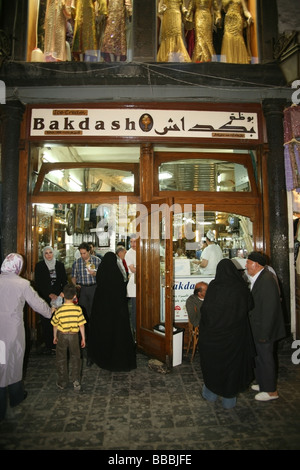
80	272
68	318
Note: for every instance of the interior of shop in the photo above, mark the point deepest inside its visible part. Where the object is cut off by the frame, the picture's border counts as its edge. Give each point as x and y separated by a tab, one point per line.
95	193
65	226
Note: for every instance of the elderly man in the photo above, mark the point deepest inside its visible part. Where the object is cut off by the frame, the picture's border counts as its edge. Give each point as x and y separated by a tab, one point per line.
267	324
194	303
121	252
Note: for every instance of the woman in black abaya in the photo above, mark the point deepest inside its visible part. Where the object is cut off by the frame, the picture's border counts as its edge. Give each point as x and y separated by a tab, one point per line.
111	344
225	339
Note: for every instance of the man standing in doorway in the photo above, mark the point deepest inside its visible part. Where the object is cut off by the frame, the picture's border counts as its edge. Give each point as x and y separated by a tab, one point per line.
267	324
130	259
211	255
84	272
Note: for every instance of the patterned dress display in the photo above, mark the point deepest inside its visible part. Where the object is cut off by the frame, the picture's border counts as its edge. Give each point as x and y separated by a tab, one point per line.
234	49
101	14
114	44
172	47
85	28
206	13
57	14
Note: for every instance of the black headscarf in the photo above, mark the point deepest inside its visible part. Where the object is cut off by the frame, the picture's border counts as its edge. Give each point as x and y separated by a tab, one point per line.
110	341
225	341
109	275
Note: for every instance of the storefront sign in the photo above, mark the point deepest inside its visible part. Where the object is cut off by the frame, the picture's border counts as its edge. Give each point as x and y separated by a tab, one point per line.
144	123
183	287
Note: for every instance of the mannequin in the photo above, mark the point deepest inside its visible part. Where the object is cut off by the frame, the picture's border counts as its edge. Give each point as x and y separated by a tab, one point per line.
114	45
101	15
234	49
84	30
172	47
206	13
57	14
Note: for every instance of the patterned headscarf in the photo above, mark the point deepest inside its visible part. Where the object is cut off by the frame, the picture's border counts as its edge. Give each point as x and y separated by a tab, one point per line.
50	264
13	263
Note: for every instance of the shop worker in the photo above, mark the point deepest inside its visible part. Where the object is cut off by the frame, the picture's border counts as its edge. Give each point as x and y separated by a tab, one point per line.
211	255
267	323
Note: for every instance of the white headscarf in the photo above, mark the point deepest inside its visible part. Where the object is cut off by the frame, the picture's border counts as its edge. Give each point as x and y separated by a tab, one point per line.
50	264
12	264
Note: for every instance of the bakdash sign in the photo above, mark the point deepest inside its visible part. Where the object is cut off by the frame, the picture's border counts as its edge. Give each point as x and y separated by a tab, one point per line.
143	122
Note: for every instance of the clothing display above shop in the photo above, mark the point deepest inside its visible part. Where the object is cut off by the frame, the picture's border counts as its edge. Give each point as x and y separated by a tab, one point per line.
84	41
206	14
114	44
103	30
172	47
234	49
57	14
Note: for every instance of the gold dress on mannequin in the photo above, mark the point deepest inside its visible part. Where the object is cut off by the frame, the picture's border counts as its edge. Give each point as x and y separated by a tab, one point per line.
85	28
172	47
206	13
101	14
114	45
57	14
234	49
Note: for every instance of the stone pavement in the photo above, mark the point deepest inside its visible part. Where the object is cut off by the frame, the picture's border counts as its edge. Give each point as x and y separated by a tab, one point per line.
147	410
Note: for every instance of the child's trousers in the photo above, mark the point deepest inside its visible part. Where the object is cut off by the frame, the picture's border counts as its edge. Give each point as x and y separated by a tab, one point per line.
67	342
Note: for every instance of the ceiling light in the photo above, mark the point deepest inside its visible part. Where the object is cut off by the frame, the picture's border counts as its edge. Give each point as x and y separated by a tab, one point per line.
129	180
165	175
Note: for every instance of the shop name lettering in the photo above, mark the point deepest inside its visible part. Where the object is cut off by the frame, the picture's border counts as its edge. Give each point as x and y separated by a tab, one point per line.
181	286
68	125
235	125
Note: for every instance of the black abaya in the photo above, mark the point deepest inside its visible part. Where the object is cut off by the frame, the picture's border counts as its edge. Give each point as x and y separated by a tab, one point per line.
111	344
225	339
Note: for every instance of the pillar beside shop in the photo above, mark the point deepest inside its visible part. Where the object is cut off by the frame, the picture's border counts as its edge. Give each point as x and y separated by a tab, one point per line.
278	209
11	116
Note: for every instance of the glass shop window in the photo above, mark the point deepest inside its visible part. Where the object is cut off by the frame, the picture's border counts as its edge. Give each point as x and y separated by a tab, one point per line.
207	31
102	31
66	226
88	179
80	30
203	175
85	169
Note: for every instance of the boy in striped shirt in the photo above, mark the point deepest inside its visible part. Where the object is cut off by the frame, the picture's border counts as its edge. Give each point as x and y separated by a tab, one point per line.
68	321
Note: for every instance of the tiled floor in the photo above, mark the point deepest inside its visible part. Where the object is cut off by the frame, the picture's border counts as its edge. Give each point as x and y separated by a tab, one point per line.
146	410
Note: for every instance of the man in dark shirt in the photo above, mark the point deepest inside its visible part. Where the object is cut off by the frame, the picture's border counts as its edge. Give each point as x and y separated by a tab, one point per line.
194	303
